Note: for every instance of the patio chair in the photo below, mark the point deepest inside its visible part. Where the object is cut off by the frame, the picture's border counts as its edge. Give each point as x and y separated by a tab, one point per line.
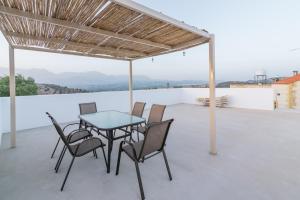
77	134
79	149
156	115
74	136
138	110
87	108
153	144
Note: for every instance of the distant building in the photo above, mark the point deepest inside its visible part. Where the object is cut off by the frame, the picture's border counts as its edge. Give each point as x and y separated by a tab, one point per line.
288	91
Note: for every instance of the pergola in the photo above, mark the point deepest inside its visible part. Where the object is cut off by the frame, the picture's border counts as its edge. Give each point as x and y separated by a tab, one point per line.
111	29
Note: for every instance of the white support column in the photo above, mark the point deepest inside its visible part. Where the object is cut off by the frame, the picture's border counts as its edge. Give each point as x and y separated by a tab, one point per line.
212	96
130	87
12	91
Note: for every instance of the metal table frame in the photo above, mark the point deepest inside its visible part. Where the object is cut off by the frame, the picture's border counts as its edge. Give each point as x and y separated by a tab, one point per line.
110	133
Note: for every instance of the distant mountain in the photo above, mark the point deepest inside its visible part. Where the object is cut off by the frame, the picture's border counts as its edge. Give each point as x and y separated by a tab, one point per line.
96	81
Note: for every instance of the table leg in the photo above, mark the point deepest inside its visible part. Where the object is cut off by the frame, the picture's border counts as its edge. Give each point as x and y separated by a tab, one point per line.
110	146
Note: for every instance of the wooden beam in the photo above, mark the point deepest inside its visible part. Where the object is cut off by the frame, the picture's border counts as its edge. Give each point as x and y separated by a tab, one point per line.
5	36
77	44
71	25
97	11
12	93
69	52
179	47
160	16
212	97
188	44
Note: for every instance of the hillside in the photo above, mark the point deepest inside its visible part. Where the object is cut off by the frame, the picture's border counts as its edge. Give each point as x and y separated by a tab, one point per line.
96	81
45	89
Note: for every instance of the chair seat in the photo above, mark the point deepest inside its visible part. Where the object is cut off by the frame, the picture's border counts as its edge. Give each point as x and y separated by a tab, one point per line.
140	129
86	146
137	146
79	135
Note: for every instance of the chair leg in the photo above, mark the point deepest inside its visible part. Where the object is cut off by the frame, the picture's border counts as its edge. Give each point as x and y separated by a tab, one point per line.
66	177
95	153
167	164
55	148
104	156
62	156
80	124
139	179
119	159
132	132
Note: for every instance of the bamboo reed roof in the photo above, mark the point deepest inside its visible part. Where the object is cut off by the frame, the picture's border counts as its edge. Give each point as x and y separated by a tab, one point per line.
117	29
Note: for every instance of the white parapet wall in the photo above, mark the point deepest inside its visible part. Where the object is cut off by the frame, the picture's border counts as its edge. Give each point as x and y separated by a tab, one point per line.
31	109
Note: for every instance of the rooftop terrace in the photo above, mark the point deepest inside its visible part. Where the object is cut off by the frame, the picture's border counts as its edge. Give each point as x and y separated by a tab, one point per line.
258	159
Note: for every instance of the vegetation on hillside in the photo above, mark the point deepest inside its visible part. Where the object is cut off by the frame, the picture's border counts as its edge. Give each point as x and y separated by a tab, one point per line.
47	89
24	86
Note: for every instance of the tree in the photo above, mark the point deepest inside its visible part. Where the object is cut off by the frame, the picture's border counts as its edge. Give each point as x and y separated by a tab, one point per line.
24	87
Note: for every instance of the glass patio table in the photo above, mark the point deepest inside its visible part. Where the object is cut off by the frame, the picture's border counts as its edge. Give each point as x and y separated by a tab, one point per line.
109	121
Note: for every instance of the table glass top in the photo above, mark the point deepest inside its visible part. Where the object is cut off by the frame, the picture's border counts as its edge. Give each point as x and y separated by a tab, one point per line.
107	120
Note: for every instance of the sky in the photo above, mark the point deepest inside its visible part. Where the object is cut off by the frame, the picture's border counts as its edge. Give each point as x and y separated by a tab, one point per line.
250	35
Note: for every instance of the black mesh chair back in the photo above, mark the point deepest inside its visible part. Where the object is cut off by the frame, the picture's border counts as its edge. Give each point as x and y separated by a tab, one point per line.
89	144
156	113
50	116
87	108
155	137
153	144
61	134
138	109
52	119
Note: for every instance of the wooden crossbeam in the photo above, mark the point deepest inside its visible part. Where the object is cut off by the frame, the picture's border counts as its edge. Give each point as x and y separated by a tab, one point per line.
132	5
180	47
188	44
68	52
77	44
5	36
71	25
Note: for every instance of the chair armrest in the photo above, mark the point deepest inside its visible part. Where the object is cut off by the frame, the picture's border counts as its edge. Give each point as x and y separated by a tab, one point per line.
70	135
72	124
154	124
131	145
151	124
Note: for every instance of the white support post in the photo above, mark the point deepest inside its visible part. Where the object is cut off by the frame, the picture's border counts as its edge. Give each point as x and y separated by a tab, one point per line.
130	87
212	96
12	91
